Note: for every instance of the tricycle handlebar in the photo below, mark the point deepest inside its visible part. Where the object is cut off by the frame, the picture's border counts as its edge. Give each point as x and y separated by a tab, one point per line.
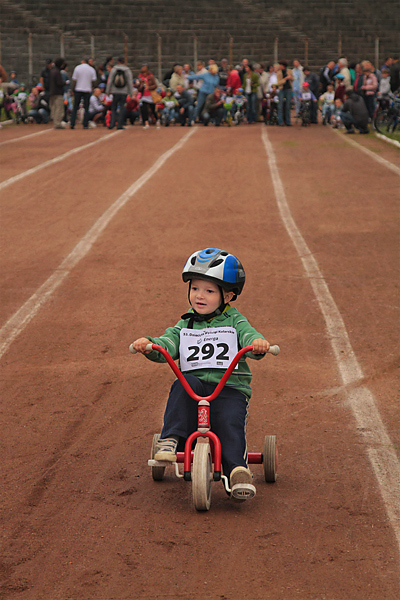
272	350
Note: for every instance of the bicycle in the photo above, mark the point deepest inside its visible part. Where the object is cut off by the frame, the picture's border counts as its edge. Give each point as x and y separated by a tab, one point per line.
228	109
198	464
387	120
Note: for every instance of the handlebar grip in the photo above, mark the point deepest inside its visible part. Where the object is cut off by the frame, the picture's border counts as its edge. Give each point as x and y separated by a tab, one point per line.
274	350
132	349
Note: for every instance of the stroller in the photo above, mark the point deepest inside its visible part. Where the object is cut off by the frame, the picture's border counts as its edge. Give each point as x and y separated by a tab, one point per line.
305	112
21	114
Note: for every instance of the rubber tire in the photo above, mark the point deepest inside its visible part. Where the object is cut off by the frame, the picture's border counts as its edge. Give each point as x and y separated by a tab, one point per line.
383	122
156	472
270	461
202	476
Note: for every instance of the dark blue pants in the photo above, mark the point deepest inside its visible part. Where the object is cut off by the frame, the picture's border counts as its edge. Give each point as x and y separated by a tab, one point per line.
78	96
228	419
118	101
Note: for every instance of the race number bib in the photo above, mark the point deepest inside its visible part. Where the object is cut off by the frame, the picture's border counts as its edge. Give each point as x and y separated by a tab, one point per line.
212	348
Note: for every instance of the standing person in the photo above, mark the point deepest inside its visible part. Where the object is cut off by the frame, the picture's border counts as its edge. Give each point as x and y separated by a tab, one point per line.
83	79
359	79
369	87
147	88
187	70
45	75
233	83
120	85
210	82
56	91
344	70
250	87
326	76
215	279
285	79
177	77
395	74
298	80
223	73
313	82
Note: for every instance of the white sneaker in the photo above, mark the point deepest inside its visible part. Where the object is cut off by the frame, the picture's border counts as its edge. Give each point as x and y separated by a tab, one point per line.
92	124
146	126
166	449
242	487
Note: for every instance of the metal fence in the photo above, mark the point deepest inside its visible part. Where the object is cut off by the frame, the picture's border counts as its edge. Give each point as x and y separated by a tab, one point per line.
27	52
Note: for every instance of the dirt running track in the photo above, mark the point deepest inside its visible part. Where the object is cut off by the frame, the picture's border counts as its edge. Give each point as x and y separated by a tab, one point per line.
81	517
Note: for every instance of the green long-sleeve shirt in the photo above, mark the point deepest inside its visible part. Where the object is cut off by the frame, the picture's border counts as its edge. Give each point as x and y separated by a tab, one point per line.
240	378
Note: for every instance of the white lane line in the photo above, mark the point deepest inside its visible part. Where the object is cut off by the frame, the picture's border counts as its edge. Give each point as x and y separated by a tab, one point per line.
380	448
17	323
371	154
55	160
25	137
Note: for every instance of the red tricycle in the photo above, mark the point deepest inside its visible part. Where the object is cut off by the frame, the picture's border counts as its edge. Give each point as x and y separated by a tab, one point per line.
198	464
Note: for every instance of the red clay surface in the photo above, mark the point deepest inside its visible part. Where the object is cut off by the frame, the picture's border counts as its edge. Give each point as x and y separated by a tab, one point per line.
81	517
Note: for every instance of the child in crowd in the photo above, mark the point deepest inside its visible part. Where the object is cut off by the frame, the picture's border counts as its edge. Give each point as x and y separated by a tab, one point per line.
170	103
18	106
326	103
384	89
307	99
340	88
215	279
337	122
132	107
239	102
192	90
228	104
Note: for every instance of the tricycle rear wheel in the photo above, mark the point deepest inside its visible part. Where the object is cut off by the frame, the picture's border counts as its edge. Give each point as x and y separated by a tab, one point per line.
270	460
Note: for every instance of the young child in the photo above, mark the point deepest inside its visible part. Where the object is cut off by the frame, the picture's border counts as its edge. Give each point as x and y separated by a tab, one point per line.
326	102
337	122
170	103
384	89
307	99
215	279
239	102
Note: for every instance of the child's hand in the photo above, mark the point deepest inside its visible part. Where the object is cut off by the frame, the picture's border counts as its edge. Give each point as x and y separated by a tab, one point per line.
140	345
260	346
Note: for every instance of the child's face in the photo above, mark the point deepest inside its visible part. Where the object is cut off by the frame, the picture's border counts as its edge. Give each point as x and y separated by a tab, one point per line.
205	296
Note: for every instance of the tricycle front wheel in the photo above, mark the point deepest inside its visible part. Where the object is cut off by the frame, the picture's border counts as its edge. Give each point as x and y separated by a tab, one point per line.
202	476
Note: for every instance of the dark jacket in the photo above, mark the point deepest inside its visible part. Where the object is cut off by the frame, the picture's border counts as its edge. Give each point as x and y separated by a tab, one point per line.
184	100
213	104
313	82
56	82
355	105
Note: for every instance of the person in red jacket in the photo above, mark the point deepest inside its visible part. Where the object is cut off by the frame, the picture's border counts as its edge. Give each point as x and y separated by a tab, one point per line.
233	82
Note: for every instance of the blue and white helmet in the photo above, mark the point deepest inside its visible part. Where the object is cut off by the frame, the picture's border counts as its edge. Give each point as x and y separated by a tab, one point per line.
218	266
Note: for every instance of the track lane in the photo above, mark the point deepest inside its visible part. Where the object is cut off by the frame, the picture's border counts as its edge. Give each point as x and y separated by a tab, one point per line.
96	408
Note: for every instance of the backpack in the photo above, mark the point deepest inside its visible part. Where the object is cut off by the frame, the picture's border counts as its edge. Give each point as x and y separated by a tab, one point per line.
119	78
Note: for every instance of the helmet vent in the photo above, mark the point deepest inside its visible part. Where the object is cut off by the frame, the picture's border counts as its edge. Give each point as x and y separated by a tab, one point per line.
193	260
215	262
224	253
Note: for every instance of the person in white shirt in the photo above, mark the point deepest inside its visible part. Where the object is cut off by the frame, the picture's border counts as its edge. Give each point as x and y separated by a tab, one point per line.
83	79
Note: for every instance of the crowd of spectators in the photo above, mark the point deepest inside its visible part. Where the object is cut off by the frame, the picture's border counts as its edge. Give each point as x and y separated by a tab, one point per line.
344	94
